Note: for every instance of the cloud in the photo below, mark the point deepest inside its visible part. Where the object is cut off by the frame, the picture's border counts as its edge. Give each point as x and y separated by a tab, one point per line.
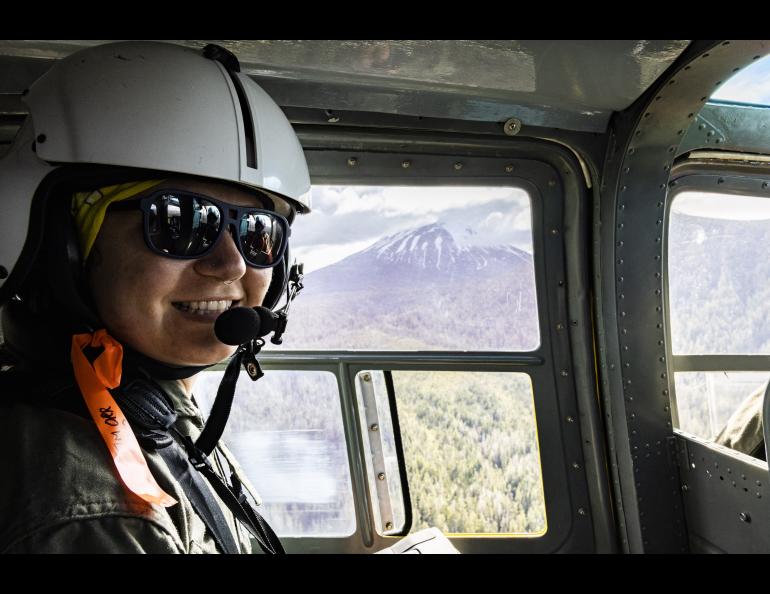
345	220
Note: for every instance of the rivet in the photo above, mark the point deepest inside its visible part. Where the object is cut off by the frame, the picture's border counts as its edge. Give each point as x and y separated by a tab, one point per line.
570	420
551	183
657	291
624	188
626	170
581	511
665	409
560	326
620	244
352	161
718	140
620	226
389	526
701	126
659	326
406	164
622	295
710	133
689	115
680	132
627	365
375	427
685	488
381	476
659	221
764	185
721	180
458	166
631	151
554	231
657	275
745	517
663	376
564	373
620	261
576	466
41	138
660	343
366	377
508	168
666	168
512	127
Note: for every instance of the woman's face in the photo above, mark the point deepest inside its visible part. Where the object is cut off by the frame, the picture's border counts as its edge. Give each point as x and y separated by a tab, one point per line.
138	293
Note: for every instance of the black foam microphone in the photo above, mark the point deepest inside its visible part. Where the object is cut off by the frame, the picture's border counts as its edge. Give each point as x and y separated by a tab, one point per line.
238	325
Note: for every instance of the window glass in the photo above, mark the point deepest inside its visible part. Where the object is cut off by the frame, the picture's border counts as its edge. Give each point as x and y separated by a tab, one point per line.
706	401
415	268
471	451
286	432
719	274
750	85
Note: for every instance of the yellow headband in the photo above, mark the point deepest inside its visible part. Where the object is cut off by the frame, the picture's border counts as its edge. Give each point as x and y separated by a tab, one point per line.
89	209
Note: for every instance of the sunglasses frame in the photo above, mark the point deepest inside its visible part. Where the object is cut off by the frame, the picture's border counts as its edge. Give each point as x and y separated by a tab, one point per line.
230	216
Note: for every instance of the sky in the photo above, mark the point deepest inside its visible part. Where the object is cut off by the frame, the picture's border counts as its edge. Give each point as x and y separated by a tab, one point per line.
347	219
750	85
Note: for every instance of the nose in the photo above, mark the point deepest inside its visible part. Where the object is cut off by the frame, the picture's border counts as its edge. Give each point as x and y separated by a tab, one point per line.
224	262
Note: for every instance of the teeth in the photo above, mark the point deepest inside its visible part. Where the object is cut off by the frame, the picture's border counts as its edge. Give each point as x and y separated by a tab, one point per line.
203	307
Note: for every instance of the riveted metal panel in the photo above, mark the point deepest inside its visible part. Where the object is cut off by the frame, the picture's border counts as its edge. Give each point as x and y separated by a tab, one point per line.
638	377
726	497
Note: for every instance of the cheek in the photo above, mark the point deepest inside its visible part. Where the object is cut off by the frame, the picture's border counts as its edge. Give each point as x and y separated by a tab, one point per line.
256	283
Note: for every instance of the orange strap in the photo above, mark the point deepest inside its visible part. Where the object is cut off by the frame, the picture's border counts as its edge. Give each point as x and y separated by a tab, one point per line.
112	424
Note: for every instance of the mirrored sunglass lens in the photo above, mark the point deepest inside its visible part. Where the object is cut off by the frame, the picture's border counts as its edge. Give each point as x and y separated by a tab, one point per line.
183	225
262	238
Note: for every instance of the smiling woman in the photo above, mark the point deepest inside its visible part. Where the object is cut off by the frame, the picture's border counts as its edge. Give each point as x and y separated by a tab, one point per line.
149	220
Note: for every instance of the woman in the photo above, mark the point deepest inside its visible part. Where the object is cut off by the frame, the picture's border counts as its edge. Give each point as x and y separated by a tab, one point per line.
179	206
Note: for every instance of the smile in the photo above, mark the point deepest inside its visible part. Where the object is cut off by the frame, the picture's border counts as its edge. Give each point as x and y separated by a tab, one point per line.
216	306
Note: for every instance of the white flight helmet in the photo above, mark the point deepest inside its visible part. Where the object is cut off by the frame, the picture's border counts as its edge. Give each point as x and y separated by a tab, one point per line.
146	106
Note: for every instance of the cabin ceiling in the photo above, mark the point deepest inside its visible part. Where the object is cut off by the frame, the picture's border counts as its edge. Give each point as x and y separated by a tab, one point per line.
572	85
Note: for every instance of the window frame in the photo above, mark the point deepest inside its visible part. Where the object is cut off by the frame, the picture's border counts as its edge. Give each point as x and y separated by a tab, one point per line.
548	174
710	176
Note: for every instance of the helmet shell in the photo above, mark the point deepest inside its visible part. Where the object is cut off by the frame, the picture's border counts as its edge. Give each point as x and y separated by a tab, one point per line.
147	105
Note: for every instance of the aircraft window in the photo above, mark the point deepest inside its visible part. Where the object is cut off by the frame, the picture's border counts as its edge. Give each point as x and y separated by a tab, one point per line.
408	268
287	433
706	401
751	85
470	449
719	280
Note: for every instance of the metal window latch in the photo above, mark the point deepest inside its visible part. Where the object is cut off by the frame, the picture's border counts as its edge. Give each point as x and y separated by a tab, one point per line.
373	432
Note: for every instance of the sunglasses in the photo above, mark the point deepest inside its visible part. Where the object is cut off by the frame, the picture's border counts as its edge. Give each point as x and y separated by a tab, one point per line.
186	225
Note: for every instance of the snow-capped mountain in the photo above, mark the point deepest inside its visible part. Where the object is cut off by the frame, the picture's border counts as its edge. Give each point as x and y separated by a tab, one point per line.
420	289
